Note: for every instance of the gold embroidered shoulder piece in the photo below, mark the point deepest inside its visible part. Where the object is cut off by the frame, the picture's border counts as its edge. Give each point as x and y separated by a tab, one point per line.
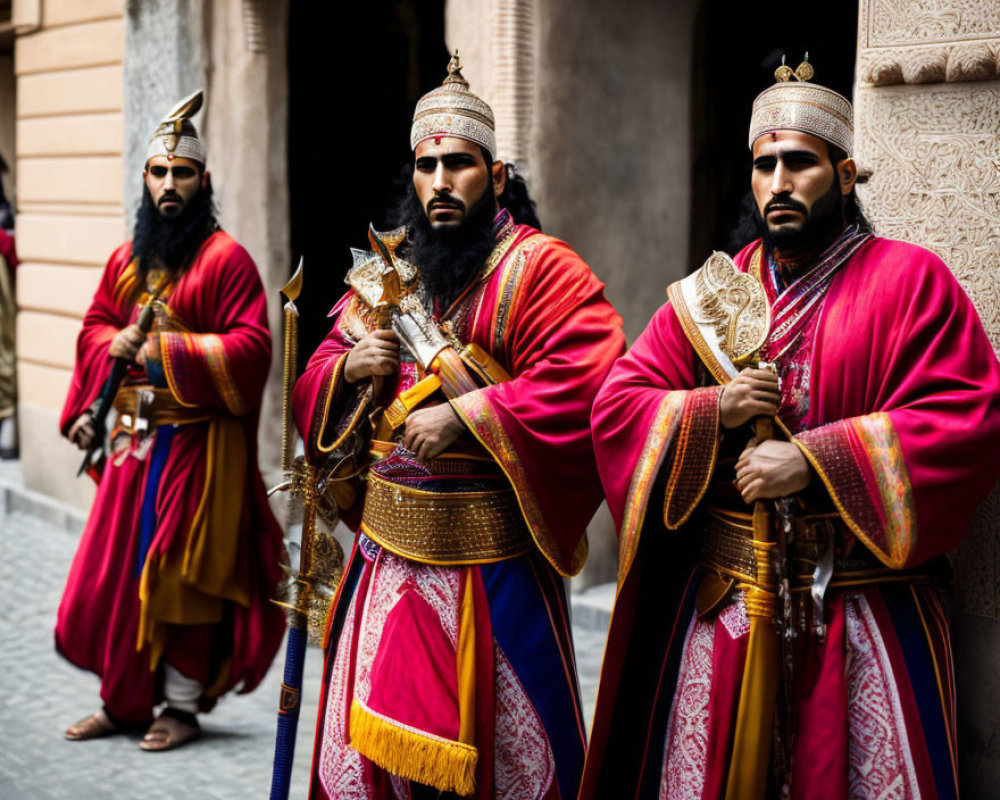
725	314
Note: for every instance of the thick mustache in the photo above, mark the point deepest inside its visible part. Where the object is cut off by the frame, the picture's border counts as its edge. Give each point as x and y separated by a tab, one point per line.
784	204
445	200
168	197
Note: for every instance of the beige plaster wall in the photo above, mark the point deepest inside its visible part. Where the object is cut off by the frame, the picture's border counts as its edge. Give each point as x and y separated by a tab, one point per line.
928	122
70	215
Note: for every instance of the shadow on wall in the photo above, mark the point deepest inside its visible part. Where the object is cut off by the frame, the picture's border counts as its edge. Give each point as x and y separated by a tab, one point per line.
351	99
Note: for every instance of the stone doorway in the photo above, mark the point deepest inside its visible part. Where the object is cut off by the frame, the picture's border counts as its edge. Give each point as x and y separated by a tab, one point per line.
737	47
352	89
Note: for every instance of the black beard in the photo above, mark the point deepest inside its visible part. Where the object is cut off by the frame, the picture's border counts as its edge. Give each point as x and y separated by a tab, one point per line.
448	258
824	222
170	243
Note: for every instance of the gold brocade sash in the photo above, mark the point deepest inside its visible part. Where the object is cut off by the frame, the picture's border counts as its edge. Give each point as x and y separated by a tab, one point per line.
444	527
157	406
190	585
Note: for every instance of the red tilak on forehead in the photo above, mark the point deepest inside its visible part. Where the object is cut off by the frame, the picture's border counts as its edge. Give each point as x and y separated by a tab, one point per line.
437	140
170	156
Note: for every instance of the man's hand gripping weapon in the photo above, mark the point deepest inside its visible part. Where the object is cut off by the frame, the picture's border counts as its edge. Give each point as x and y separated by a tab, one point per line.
119	369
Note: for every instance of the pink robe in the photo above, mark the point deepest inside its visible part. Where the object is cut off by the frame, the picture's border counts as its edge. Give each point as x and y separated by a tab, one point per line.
393	644
198	591
902	428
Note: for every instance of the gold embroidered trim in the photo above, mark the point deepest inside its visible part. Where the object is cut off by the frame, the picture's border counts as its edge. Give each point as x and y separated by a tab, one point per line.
676	296
508	294
653	452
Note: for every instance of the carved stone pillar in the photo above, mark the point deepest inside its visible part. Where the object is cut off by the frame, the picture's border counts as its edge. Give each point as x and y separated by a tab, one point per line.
496	41
513	76
164	61
928	123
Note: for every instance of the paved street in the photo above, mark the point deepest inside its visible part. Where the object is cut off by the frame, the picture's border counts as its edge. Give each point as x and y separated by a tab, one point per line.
42	695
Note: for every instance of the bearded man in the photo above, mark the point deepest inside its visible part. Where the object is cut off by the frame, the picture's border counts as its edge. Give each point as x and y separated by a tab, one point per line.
778	629
168	595
449	662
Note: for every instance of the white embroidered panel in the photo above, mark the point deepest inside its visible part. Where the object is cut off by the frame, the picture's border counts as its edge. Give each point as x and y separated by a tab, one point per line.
879	761
684	757
342	771
524	765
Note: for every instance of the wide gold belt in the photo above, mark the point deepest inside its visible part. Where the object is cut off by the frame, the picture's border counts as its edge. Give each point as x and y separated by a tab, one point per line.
144	408
444	528
728	548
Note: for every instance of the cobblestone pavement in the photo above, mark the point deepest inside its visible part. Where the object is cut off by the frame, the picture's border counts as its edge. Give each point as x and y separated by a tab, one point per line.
43	694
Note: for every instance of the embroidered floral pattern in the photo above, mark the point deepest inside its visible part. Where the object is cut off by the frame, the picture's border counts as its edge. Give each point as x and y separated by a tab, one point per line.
342	768
879	761
685	755
734	618
882	447
524	764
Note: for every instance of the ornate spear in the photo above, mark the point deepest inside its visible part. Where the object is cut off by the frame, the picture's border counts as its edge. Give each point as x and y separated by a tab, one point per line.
298	633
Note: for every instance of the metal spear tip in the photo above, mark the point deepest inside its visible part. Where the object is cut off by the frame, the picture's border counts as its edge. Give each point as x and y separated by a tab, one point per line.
293	288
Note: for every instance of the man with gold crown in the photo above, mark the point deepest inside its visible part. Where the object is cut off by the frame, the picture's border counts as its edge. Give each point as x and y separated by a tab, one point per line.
789	449
168	597
460	370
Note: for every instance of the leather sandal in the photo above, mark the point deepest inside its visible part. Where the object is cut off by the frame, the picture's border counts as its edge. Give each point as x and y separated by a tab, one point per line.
96	726
169	731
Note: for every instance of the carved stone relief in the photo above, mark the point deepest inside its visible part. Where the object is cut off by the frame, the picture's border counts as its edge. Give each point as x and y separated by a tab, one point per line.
935	151
928	41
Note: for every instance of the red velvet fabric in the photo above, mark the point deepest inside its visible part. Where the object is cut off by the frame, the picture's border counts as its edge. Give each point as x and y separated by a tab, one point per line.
8	250
903	422
220	297
546	321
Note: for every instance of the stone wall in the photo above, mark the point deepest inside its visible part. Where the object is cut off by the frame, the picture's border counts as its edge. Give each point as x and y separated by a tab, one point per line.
593	99
928	122
70	213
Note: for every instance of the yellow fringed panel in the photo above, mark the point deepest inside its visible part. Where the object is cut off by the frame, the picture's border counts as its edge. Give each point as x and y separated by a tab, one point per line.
447	766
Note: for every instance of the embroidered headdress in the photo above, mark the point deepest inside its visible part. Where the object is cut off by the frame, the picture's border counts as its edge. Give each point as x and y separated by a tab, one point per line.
176	136
452	110
803	106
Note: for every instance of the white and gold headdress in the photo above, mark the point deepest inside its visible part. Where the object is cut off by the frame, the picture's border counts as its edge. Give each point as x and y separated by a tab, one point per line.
452	110
176	136
803	106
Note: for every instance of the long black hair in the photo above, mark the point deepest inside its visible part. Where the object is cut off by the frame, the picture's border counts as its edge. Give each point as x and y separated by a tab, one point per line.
515	197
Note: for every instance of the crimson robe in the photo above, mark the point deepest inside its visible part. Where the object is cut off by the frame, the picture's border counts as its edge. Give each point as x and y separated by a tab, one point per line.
541	313
8	310
180	554
903	434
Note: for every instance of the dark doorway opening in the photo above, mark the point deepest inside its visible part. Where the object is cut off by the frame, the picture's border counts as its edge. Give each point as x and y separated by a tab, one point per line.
738	46
353	82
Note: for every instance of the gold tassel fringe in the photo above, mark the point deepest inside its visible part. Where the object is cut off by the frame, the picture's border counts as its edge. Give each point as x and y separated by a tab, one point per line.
447	766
